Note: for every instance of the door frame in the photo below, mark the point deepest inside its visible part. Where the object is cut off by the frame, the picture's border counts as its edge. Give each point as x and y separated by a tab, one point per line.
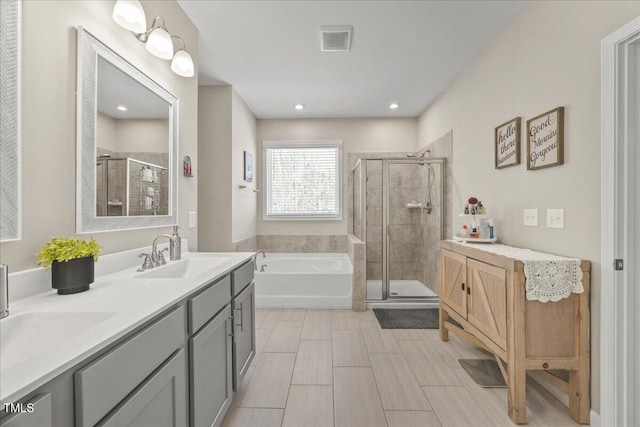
616	335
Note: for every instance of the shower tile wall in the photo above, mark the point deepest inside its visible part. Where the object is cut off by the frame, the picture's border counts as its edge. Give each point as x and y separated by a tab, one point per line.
406	185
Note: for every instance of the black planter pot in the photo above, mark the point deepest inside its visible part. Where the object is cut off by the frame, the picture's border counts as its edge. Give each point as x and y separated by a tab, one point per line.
72	276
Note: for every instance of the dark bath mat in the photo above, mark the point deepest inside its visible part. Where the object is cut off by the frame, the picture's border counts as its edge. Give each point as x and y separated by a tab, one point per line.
485	372
407	318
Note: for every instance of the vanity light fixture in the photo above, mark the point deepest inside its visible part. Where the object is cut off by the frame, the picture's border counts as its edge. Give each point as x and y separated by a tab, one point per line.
394	105
182	63
121	107
129	14
298	106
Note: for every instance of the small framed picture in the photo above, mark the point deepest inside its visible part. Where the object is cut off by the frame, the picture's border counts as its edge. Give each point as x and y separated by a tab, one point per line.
248	167
507	144
545	140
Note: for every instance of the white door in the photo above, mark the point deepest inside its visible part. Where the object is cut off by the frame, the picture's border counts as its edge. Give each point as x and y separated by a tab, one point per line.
635	214
620	233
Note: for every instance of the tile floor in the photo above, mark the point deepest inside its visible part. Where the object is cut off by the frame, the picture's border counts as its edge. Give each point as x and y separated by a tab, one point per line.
339	368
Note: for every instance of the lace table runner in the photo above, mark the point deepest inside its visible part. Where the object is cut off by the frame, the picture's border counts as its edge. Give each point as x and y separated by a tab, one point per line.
549	277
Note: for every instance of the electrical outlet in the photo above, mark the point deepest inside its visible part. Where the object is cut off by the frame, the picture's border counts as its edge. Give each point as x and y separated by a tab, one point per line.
555	218
531	217
192	220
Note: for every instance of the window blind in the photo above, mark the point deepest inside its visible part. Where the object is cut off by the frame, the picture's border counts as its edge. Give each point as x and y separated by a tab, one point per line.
302	179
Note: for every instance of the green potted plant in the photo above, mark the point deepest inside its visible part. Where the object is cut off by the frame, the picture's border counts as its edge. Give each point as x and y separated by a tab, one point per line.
71	261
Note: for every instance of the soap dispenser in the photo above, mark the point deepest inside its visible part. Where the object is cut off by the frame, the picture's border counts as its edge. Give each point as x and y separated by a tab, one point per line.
175	246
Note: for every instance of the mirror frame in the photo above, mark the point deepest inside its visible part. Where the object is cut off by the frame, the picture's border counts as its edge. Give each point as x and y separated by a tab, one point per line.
89	48
10	124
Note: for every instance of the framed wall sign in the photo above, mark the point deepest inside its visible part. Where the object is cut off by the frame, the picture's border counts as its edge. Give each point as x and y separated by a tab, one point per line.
248	167
507	144
545	140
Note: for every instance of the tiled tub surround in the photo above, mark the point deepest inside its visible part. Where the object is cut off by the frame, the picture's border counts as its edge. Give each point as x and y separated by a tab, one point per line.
303	243
246	245
357	255
129	301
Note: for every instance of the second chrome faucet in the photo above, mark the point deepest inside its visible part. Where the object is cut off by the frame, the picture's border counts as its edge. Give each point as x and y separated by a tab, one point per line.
156	258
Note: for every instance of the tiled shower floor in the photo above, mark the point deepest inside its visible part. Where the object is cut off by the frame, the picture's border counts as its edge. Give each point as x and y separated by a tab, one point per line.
398	288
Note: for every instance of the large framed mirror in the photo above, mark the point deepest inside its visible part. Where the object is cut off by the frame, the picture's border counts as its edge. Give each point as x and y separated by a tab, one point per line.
10	127
127	144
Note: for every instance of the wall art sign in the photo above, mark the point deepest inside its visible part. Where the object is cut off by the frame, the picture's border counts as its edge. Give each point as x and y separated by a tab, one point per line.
248	167
545	140
507	144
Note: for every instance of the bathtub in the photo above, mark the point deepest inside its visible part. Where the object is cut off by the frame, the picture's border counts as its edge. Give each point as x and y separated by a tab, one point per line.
304	281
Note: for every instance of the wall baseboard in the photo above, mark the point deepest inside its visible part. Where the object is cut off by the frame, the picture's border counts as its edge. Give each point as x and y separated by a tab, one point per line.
595	419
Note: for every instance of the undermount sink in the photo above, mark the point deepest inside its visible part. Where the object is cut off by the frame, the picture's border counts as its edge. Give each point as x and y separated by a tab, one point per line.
184	268
27	335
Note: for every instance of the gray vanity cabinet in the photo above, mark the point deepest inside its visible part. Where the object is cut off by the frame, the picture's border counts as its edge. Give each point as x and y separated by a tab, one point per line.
211	371
159	401
39	414
244	337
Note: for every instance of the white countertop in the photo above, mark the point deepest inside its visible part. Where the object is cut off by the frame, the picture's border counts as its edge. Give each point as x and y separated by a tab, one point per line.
129	302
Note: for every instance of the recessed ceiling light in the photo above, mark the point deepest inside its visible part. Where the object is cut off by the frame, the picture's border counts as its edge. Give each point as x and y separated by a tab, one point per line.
298	106
394	105
121	108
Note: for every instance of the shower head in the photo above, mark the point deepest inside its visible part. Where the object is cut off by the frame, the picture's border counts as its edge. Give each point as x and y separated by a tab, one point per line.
425	153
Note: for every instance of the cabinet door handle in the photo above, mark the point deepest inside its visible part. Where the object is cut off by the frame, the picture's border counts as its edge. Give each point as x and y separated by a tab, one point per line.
240	317
463	286
468	290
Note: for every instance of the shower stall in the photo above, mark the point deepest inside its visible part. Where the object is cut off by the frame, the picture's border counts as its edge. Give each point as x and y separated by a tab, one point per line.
398	211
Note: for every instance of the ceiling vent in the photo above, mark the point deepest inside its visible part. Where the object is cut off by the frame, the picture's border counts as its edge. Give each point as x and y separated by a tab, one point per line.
336	38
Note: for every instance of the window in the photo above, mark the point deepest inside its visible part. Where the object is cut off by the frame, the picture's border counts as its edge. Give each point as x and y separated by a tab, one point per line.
302	179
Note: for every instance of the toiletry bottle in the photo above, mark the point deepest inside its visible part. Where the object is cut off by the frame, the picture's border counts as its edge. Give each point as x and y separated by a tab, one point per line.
175	245
474	233
480	209
465	231
466	210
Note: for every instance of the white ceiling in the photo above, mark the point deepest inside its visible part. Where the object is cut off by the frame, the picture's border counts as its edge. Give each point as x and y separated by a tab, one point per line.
401	51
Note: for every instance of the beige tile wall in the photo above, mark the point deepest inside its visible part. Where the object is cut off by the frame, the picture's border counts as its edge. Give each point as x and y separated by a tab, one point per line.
302	243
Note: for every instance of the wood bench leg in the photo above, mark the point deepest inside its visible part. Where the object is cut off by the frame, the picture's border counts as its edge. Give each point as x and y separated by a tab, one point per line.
516	363
444	332
517	391
579	399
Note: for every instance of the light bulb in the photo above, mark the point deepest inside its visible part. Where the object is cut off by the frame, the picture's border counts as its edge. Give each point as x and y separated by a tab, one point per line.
394	106
182	64
298	106
159	44
129	14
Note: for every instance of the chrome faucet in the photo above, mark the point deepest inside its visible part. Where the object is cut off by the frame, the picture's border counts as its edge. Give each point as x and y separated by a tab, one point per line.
255	259
4	291
157	258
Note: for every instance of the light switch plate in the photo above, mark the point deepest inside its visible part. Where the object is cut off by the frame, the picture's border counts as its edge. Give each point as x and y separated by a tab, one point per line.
192	220
531	217
555	218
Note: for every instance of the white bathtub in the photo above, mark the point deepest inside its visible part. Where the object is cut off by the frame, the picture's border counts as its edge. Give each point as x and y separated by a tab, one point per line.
304	281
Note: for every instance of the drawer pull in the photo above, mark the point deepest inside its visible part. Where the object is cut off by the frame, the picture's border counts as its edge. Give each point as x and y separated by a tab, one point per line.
240	317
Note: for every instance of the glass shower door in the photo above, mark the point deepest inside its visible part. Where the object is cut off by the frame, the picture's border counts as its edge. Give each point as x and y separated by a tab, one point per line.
412	219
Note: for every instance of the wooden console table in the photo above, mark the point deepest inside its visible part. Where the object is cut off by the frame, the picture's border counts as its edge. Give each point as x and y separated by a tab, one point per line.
485	293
